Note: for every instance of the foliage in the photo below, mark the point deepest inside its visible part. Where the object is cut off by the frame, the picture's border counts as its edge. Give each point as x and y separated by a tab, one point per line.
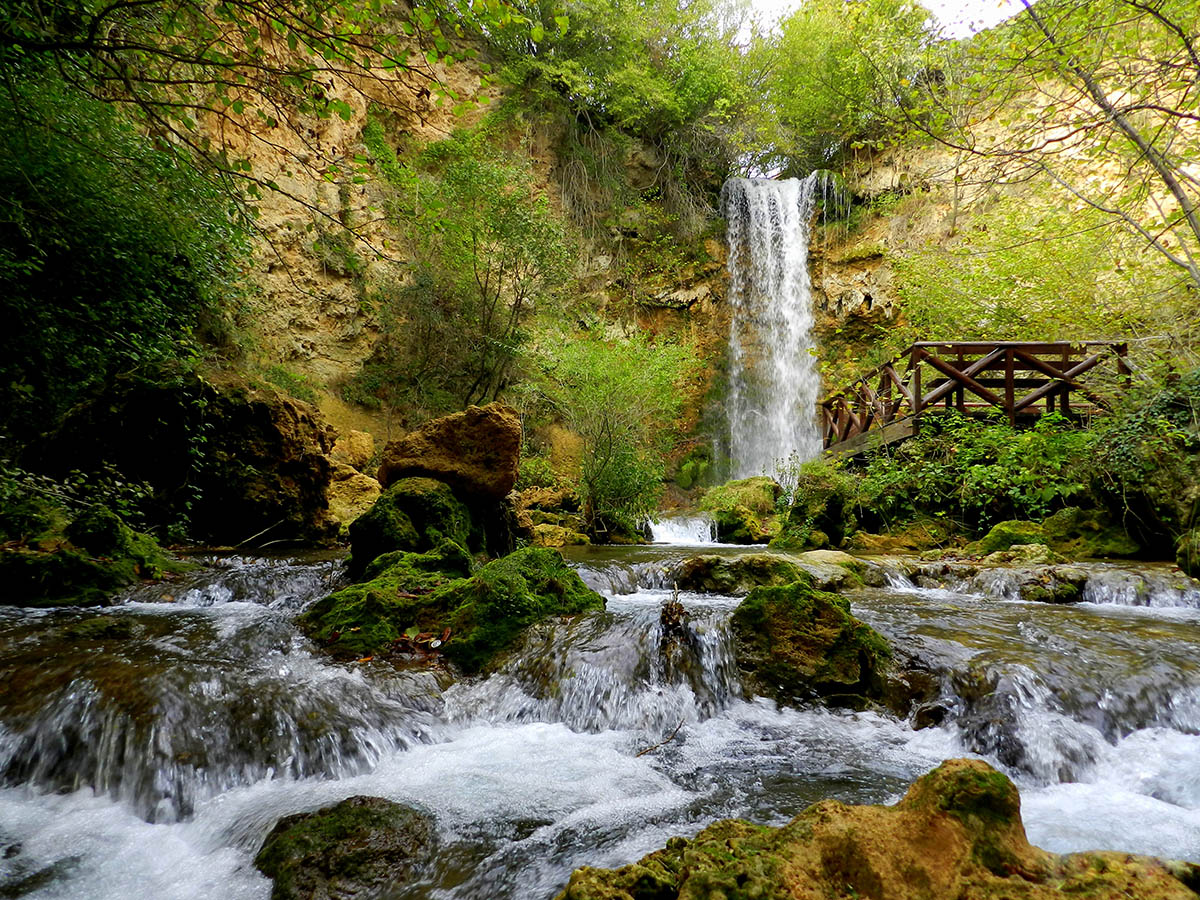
489	252
977	471
113	251
620	396
535	471
293	384
836	72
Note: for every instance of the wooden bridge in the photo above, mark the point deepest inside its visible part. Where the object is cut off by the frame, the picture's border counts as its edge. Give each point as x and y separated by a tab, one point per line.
1023	380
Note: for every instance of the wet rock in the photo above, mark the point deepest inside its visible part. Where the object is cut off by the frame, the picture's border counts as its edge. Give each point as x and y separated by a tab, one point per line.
475	451
1004	534
917	536
956	834
744	510
547	535
351	494
795	643
363	847
1023	554
477	615
238	465
737	575
413	514
1086	534
355	449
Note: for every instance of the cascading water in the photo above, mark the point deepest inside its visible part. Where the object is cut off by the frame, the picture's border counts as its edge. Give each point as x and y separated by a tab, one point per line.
147	749
773	378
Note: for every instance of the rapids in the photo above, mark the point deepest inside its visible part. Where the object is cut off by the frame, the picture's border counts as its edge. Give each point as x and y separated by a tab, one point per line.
146	749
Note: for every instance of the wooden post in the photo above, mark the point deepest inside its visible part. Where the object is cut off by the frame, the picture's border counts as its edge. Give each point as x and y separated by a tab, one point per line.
1010	391
918	399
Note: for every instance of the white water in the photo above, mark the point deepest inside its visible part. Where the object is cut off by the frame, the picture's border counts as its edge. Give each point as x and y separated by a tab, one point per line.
683	530
773	376
1094	710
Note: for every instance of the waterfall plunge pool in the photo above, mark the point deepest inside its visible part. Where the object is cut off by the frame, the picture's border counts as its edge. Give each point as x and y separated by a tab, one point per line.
147	749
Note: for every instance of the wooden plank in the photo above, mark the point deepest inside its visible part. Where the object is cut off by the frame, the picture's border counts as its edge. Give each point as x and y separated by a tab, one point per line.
1060	379
878	437
964	377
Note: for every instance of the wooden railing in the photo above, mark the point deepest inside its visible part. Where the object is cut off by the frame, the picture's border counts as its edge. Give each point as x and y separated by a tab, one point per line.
971	377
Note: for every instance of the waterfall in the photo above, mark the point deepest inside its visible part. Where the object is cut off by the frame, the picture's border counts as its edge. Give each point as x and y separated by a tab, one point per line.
773	375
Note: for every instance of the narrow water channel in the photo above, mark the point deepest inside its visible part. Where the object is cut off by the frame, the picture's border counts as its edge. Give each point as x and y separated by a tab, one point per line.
146	749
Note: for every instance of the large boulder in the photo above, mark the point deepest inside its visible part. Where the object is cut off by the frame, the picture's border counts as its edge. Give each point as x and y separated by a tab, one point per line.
735	575
476	452
363	847
821	514
1085	533
472	617
351	493
796	644
231	464
956	834
414	514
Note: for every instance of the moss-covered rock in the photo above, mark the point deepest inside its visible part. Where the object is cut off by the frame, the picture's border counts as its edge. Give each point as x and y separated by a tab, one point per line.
411	593
1187	553
100	555
369	617
488	611
795	643
956	834
1004	534
1086	533
361	847
821	514
744	510
413	514
737	575
548	535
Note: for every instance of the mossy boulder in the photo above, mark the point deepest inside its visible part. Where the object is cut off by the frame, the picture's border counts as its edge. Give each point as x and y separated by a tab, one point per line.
1004	535
369	617
487	612
547	535
97	555
711	573
431	592
1187	553
413	514
822	511
744	510
957	833
1087	533
795	643
362	847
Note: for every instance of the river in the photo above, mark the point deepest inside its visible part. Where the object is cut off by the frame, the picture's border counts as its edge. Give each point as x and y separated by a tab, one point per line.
146	749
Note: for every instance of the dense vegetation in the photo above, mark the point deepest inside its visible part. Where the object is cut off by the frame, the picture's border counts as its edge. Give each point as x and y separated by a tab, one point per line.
130	135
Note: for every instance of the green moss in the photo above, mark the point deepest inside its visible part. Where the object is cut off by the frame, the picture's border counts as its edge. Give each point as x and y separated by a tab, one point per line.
358	847
798	643
821	510
433	591
1187	553
413	514
744	510
489	610
1004	535
737	575
104	555
1086	534
367	618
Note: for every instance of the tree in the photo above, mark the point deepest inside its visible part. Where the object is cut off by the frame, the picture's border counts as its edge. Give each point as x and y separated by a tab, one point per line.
620	396
1100	96
831	78
487	253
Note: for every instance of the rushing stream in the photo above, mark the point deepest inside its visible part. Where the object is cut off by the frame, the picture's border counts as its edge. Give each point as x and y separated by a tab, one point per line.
147	749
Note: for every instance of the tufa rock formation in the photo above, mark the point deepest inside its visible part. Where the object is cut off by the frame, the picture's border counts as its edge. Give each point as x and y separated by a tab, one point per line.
956	835
476	452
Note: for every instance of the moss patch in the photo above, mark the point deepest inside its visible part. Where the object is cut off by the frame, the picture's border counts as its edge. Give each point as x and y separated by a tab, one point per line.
743	510
362	846
737	575
1085	534
413	514
433	591
1005	534
797	643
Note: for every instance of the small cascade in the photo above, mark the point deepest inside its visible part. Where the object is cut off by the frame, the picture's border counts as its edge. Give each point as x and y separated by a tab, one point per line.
773	379
683	530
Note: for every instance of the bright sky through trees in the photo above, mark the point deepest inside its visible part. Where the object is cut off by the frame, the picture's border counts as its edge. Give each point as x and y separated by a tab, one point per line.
959	18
